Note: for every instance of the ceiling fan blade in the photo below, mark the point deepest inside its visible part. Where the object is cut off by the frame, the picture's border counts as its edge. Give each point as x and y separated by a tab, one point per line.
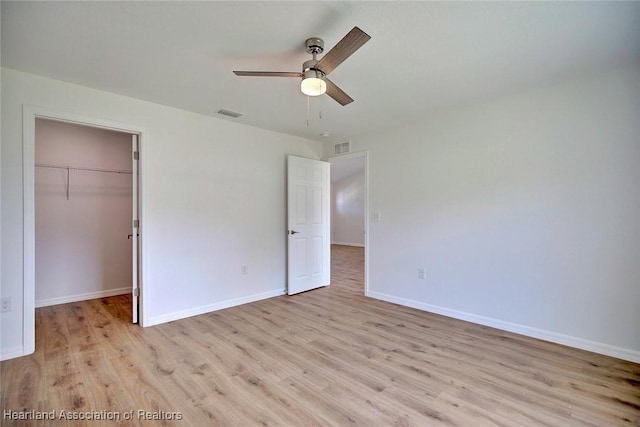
336	93
344	49
267	74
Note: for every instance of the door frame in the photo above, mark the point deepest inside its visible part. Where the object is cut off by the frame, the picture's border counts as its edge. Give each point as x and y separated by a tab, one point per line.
29	116
365	155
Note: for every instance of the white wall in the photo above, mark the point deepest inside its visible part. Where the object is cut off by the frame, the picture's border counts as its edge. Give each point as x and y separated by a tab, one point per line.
525	212
82	250
213	199
347	206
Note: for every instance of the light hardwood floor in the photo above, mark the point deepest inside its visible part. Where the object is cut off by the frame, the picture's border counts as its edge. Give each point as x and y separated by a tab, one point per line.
321	358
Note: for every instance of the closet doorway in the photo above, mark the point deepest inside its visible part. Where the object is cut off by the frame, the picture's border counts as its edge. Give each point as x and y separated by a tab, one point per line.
349	225
85	213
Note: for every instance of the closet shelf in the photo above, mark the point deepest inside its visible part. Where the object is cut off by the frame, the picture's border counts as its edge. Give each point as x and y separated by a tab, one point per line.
74	168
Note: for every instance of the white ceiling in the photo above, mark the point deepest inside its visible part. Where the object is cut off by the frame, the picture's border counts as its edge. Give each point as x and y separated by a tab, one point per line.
422	55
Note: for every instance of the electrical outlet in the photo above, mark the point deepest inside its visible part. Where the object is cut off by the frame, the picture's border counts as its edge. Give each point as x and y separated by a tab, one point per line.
422	273
244	269
5	305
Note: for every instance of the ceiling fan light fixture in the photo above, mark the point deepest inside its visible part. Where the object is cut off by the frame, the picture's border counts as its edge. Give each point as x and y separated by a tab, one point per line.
313	84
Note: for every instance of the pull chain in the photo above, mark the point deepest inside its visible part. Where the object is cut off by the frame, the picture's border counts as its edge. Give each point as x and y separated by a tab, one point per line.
309	111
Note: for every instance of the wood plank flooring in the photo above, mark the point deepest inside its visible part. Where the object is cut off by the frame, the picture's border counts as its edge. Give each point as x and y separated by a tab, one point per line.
329	357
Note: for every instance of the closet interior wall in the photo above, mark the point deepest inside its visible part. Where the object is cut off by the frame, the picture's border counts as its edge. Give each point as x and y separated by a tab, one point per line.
83	212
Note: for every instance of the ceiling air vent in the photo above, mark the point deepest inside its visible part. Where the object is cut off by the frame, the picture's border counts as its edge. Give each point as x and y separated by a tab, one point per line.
343	148
230	113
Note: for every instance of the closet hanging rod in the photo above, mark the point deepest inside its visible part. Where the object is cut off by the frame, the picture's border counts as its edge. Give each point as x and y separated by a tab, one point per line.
43	165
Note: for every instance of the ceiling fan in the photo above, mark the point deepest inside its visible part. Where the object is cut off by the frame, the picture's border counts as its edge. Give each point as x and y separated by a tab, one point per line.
314	72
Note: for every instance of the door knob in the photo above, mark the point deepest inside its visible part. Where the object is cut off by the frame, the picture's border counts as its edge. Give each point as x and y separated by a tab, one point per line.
293	232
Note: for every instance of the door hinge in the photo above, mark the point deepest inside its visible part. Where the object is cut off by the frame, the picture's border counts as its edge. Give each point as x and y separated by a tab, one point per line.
136	292
136	223
136	155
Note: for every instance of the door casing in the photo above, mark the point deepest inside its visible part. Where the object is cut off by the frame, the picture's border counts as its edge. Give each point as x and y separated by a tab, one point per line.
29	115
365	155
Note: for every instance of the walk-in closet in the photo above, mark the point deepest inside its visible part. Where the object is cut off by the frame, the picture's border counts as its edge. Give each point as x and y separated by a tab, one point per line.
83	212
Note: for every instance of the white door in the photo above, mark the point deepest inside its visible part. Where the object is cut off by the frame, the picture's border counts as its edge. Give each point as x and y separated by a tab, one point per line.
135	235
309	244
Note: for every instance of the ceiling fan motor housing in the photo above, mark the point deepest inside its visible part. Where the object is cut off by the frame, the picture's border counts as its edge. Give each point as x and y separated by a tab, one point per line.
309	69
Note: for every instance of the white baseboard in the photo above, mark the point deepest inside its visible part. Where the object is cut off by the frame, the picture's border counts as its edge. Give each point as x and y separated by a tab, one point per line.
12	353
82	297
203	309
360	245
593	346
